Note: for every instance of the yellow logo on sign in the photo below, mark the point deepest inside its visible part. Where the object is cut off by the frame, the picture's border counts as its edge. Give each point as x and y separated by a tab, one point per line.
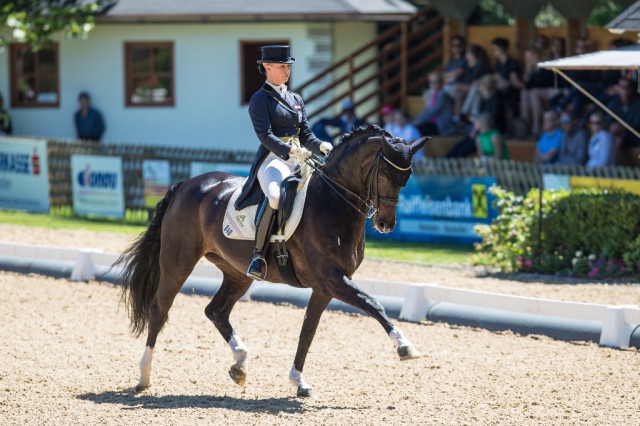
479	201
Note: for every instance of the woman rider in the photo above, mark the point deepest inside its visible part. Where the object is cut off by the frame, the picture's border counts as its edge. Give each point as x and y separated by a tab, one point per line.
280	122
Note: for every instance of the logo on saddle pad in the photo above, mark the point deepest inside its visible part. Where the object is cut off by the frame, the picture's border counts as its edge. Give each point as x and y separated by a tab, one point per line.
240	224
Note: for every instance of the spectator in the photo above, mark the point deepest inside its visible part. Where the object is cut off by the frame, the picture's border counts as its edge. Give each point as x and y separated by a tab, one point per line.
539	87
491	103
550	141
479	65
437	116
508	76
557	48
489	142
600	144
386	113
625	105
345	122
88	120
541	44
5	119
404	129
456	67
574	141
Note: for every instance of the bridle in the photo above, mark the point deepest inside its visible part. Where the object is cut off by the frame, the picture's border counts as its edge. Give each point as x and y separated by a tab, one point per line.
373	198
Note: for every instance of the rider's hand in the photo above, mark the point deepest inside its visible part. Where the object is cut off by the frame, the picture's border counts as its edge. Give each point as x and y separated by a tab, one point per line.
299	153
326	147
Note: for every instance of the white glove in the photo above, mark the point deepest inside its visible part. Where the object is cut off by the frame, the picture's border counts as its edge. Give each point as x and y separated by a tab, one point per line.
325	147
299	153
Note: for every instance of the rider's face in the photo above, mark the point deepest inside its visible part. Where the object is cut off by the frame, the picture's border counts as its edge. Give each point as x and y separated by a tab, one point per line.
278	74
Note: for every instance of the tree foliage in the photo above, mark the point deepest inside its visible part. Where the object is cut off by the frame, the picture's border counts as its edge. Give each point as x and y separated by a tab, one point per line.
37	21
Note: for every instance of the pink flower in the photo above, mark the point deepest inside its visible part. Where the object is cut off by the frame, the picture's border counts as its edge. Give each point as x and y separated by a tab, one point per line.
513	232
528	263
594	273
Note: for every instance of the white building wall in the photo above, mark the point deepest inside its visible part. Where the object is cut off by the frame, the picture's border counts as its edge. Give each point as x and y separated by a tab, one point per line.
207	111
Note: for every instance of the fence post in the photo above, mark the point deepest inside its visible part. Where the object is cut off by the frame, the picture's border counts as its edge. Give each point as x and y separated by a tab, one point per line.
616	333
415	304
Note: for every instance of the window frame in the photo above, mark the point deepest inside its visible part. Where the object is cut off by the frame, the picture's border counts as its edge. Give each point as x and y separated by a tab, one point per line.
129	73
245	62
13	76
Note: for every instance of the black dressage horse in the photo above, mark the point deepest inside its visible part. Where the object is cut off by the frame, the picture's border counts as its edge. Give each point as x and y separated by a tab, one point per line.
361	177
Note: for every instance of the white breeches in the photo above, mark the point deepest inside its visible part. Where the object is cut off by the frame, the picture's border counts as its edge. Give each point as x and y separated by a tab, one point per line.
271	174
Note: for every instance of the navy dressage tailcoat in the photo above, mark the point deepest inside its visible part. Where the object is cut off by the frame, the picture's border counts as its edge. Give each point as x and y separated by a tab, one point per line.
274	116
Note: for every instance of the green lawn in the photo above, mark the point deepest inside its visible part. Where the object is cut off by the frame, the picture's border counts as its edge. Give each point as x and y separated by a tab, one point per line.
135	222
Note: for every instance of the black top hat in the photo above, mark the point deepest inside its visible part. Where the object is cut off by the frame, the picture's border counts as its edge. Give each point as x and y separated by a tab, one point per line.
279	54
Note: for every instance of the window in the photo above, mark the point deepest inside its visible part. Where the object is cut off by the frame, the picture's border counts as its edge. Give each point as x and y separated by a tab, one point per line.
149	74
252	80
34	76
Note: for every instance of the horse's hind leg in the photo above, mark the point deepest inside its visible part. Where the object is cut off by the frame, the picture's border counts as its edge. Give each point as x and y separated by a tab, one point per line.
345	290
234	286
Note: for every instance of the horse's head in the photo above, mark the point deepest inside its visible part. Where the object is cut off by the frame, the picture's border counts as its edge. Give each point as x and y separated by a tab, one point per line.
376	166
393	172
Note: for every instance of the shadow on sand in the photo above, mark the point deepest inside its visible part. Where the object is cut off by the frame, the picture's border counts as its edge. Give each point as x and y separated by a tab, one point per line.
132	400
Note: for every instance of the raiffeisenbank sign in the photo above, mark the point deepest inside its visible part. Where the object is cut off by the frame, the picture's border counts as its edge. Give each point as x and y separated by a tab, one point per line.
24	175
97	185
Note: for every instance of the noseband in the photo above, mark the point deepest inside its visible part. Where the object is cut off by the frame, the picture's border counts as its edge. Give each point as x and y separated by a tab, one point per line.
373	199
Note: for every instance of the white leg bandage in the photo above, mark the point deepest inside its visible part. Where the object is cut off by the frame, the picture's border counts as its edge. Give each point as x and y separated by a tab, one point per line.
145	367
296	379
239	349
397	337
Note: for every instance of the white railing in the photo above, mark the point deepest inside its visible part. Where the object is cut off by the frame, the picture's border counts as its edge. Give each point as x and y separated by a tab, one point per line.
618	321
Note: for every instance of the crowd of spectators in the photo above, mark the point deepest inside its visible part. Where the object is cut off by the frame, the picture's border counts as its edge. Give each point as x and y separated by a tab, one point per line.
488	99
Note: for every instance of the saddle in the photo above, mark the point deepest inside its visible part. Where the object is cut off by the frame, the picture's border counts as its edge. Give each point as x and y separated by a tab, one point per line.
240	224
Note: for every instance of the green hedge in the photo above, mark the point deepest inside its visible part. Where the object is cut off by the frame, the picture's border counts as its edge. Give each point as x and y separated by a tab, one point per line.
593	233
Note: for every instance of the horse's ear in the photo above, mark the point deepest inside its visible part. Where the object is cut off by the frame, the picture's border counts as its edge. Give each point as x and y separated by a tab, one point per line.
418	144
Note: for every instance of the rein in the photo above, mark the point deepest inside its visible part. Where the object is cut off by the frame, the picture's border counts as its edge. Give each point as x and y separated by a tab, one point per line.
373	200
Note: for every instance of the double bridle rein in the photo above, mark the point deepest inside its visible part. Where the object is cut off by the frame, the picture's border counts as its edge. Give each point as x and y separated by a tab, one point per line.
373	199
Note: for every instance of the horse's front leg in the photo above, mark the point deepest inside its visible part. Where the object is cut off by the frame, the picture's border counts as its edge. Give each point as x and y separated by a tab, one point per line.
345	290
317	304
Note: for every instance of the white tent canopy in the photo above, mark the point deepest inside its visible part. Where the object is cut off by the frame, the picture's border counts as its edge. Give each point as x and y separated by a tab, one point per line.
619	59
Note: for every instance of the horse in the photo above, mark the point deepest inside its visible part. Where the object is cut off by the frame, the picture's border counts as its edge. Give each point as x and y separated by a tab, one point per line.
361	177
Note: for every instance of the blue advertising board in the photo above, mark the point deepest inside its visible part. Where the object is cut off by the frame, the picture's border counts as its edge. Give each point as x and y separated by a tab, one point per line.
442	209
97	185
24	175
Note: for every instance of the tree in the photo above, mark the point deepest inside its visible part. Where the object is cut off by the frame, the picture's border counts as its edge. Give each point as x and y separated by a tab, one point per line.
37	21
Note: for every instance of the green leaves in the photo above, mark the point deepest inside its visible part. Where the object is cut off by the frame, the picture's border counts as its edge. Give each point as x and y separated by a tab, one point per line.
586	232
37	21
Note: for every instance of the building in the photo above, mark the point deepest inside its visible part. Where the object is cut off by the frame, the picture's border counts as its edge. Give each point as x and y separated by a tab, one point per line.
181	73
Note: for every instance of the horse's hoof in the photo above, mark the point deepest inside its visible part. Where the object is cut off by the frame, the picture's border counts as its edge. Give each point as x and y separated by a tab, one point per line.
306	393
408	352
140	388
238	374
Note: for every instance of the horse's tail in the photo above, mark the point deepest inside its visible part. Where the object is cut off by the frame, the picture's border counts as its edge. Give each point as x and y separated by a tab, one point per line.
141	268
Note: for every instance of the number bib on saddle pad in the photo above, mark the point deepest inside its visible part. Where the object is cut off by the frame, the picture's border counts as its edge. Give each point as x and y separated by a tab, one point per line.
240	224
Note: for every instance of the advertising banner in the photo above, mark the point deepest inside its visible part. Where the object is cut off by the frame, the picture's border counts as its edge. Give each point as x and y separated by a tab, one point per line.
156	178
198	168
444	209
24	175
97	184
556	182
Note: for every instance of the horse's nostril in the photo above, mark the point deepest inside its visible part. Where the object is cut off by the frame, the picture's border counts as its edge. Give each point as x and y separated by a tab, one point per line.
382	225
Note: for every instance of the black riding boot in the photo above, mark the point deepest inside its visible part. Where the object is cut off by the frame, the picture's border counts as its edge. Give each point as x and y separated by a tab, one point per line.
265	219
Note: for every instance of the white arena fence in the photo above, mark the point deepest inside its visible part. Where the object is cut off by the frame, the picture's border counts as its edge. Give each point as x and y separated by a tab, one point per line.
618	321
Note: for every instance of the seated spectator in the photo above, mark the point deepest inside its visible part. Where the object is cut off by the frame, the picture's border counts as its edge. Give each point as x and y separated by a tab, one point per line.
590	80
5	119
489	142
479	65
345	122
88	120
574	141
550	141
541	44
539	88
600	144
387	115
437	116
625	105
557	48
456	67
491	103
507	74
404	129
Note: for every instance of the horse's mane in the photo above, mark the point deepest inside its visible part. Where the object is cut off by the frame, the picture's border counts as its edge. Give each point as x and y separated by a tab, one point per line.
349	140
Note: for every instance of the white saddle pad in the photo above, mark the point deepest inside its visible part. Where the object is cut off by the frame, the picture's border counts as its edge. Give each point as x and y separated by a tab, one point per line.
240	224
